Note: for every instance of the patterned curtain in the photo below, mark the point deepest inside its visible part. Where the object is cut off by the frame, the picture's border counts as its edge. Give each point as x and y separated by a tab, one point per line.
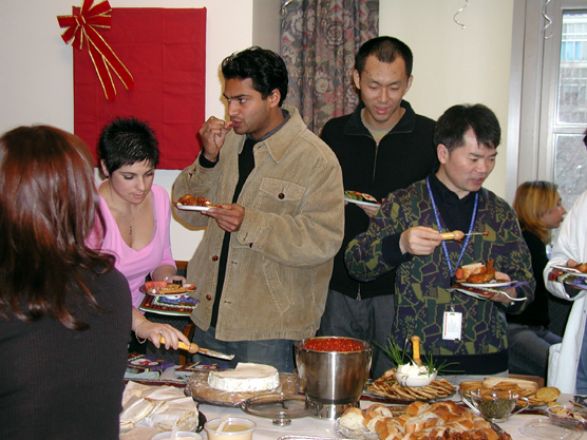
319	40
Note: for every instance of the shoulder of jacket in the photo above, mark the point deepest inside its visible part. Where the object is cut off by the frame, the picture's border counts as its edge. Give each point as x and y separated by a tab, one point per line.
313	144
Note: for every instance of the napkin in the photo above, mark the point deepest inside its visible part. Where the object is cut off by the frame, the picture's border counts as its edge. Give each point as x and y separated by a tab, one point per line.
160	407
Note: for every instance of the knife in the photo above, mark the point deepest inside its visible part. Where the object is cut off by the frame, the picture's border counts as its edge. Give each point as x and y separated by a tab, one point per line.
195	348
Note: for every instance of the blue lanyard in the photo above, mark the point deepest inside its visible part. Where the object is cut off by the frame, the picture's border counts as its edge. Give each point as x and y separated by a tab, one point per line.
468	237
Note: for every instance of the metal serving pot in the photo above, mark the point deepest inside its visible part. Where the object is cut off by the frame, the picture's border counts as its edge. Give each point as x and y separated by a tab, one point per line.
333	378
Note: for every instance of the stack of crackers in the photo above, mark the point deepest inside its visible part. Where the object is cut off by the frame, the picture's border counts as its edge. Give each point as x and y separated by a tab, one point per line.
528	391
387	386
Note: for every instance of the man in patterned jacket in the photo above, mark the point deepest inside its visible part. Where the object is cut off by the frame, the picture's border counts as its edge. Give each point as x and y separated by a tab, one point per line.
454	326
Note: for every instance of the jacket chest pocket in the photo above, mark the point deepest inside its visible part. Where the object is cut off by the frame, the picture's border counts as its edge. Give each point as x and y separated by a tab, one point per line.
278	196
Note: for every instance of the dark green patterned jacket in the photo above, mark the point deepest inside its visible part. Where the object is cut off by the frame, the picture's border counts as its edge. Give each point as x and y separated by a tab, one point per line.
422	292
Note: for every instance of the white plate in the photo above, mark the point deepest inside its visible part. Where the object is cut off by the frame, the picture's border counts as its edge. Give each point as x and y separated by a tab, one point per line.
192	207
542	429
361	202
476	295
570	270
493	285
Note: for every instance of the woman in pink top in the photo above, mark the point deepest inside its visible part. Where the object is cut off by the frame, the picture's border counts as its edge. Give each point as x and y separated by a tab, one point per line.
137	216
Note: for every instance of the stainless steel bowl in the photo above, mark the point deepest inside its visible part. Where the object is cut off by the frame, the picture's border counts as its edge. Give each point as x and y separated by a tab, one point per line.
333	377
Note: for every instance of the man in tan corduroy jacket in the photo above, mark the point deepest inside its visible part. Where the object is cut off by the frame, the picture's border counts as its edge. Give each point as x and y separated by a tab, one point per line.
263	266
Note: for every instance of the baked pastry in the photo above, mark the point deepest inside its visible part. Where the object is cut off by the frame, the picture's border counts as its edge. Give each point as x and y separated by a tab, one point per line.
423	421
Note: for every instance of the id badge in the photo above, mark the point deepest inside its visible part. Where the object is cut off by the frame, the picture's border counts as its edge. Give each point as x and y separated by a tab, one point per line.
452	324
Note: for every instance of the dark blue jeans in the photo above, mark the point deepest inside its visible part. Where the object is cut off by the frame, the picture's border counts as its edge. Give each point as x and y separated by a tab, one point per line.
276	352
528	349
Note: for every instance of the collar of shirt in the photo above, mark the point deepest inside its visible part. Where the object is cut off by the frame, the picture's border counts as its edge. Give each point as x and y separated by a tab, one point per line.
286	117
454	212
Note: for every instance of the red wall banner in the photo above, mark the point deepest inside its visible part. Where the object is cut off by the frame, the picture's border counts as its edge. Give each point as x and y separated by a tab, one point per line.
165	50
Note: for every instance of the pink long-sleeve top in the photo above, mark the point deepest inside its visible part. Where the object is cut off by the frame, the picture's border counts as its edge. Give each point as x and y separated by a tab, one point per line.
134	264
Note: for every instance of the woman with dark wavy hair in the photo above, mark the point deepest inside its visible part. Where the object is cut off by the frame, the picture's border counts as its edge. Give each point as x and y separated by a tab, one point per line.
65	312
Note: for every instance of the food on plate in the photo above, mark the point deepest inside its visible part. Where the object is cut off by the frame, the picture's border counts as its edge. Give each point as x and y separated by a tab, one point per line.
476	273
165	288
527	390
337	344
527	387
245	377
569	416
361	197
581	267
191	200
389	387
440	420
547	394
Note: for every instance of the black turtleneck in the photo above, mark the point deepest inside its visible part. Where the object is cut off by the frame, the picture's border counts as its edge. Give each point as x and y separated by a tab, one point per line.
455	214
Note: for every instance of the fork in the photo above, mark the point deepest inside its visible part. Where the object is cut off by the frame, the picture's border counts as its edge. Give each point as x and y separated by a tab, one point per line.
501	292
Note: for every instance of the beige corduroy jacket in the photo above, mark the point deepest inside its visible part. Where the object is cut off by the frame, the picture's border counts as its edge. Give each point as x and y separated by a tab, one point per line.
280	260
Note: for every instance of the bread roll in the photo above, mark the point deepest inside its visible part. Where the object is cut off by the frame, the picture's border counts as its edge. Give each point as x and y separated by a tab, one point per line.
352	419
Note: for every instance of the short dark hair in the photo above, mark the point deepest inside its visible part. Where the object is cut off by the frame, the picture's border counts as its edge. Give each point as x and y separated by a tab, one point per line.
265	68
125	141
455	121
386	49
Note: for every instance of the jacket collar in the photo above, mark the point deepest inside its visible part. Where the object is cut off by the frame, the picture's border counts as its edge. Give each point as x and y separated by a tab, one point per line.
280	141
406	124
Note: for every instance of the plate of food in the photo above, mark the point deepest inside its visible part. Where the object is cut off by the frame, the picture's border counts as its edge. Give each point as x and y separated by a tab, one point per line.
389	389
361	199
189	202
477	274
416	420
232	387
568	416
163	288
531	396
579	271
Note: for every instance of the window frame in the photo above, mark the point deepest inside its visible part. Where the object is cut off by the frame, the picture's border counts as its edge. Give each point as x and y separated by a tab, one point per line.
534	90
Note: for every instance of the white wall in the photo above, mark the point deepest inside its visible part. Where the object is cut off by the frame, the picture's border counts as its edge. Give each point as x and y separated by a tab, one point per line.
454	65
36	73
451	65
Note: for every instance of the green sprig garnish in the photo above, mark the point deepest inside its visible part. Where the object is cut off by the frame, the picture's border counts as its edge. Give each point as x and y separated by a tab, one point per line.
398	356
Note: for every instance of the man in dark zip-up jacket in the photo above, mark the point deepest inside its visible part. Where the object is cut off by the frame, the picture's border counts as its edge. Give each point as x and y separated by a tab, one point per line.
382	146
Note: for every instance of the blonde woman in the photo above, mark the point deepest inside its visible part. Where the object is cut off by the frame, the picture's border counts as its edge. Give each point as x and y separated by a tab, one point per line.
539	210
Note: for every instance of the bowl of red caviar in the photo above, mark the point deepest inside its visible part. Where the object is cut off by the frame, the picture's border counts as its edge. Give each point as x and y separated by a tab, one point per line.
333	369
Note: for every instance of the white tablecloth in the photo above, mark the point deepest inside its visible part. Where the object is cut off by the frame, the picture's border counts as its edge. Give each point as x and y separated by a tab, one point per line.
310	426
